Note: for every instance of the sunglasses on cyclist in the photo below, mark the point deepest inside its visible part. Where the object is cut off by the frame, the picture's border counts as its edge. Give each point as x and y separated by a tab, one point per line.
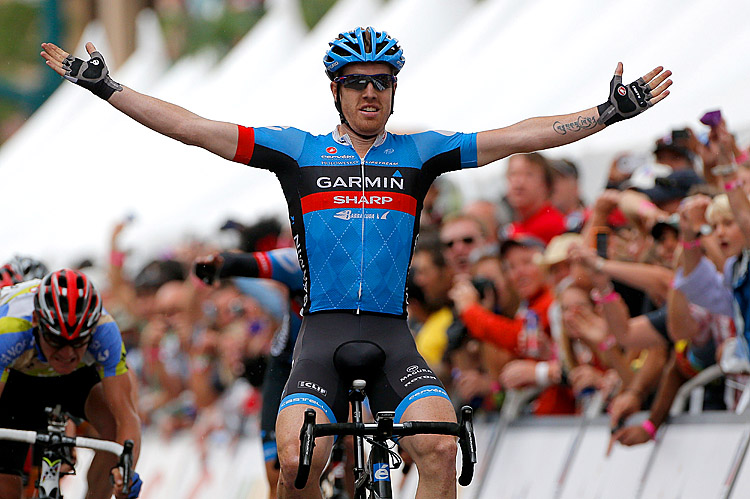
466	240
57	342
359	82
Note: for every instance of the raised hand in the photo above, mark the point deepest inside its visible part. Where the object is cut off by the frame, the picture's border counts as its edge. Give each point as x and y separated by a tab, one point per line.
92	75
626	101
207	268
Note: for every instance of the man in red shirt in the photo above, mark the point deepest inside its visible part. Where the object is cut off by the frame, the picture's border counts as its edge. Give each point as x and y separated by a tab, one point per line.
530	180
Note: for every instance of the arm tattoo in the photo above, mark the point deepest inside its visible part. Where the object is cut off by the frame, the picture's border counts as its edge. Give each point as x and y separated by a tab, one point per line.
582	123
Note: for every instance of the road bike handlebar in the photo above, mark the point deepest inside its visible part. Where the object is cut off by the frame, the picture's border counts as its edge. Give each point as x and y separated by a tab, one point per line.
464	430
124	452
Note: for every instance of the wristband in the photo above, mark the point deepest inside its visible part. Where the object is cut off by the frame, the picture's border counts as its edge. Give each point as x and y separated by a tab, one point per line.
695	243
625	101
607	296
644	206
723	170
496	387
116	258
733	184
607	343
541	372
92	75
744	156
599	264
650	428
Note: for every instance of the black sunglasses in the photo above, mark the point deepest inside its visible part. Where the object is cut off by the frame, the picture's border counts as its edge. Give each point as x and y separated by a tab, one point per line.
57	342
359	82
465	240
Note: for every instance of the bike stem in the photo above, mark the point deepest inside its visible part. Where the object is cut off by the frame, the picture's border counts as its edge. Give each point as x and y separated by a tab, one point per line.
357	396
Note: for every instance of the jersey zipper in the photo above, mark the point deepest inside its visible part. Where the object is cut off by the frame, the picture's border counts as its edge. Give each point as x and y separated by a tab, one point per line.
362	252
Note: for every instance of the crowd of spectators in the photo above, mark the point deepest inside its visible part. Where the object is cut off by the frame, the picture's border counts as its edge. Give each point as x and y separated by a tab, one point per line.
630	295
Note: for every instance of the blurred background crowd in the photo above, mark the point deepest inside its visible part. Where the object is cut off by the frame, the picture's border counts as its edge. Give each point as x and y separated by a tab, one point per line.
536	289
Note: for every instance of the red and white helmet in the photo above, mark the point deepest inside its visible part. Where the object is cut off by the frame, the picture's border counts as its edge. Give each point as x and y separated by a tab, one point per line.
9	275
67	304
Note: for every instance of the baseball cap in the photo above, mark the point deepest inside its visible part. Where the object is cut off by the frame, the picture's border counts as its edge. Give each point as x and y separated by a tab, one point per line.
521	240
266	294
666	144
645	175
676	185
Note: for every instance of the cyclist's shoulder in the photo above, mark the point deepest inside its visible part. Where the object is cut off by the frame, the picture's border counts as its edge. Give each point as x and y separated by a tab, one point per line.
285	257
17	306
285	267
19	293
281	133
428	135
106	327
285	139
429	141
107	348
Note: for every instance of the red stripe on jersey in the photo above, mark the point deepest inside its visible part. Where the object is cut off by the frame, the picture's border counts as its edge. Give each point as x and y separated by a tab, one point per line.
355	199
264	265
245	144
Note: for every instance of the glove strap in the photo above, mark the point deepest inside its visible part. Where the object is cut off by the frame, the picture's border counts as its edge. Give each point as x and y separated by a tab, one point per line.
625	101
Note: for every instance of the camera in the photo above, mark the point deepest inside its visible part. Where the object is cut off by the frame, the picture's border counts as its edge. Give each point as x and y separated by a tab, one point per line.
483	286
602	241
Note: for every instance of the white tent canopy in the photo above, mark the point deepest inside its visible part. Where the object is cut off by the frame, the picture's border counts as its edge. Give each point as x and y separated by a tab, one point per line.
80	166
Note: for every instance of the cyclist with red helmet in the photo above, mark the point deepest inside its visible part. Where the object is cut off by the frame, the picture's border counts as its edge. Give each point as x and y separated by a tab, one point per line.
21	268
354	198
59	346
9	275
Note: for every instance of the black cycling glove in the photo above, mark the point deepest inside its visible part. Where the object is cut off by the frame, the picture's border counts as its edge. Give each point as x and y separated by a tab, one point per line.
625	101
92	75
207	272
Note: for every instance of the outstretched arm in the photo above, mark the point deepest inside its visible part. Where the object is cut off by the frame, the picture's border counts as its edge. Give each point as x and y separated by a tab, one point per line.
624	101
168	119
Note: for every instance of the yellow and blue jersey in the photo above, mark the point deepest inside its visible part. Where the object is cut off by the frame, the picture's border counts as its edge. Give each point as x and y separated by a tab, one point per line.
18	344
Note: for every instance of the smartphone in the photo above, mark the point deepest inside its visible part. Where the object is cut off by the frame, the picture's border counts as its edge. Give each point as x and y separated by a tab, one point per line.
712	118
602	241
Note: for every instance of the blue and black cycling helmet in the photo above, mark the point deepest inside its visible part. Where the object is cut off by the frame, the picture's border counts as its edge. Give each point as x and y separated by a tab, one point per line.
363	45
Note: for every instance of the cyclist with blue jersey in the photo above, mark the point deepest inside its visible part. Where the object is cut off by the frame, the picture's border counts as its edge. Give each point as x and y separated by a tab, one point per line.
354	198
58	346
279	265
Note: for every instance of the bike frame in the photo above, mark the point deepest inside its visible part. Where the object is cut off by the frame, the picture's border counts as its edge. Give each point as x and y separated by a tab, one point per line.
55	440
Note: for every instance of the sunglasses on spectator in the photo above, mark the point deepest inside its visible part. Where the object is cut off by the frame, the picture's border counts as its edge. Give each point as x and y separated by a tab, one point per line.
466	240
359	82
57	342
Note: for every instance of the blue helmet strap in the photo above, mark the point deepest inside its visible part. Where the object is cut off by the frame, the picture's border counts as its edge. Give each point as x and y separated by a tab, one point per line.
344	121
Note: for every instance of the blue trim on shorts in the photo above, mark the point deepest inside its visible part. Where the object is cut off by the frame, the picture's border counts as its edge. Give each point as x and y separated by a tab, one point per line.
311	400
419	393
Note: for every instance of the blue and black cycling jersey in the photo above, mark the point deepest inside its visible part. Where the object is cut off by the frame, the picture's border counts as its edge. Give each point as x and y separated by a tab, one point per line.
355	221
280	265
